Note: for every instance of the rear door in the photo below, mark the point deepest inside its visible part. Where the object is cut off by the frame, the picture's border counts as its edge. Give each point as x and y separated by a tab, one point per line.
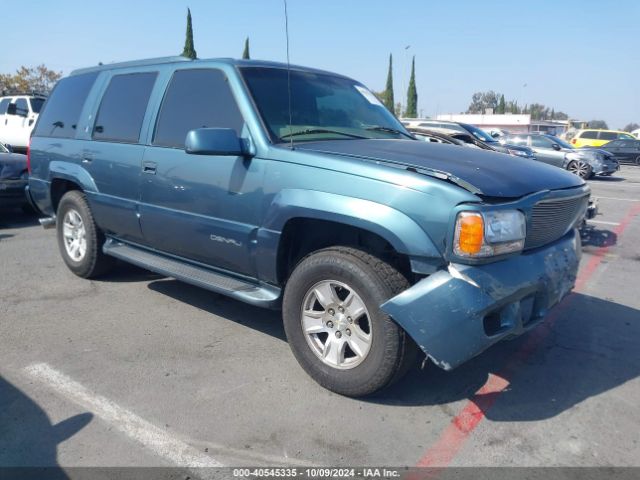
113	155
16	122
200	207
605	137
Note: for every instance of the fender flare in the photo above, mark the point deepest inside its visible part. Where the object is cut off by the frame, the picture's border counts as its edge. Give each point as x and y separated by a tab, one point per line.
72	172
402	233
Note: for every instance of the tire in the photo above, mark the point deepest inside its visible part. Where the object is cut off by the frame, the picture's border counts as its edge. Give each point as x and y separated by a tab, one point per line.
580	168
75	228
637	161
343	271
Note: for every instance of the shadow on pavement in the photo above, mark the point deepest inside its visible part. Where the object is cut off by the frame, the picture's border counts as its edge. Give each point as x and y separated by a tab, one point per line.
27	437
16	218
260	319
592	347
594	237
609	179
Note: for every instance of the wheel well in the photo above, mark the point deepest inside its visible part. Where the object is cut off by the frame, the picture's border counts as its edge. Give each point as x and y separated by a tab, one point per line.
301	236
59	187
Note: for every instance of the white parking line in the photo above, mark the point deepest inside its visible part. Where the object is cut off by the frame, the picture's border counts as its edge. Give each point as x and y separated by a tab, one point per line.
148	435
604	223
617	198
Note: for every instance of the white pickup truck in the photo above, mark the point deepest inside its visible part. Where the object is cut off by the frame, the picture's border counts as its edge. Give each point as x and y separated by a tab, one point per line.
18	115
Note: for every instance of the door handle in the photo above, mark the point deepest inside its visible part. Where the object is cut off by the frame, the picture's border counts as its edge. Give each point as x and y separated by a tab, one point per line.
149	167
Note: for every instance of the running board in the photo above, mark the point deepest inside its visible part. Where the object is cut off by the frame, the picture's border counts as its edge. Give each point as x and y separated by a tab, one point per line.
260	295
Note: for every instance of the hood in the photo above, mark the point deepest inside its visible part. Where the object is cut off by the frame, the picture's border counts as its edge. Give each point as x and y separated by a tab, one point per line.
12	165
479	171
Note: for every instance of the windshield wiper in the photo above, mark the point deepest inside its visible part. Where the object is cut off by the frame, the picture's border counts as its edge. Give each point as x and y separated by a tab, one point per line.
380	128
310	131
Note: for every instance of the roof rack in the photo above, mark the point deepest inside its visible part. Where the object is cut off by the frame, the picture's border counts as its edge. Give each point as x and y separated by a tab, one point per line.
134	63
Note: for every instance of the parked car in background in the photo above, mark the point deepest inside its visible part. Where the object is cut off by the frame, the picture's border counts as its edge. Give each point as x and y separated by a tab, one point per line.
453	128
375	244
18	115
13	179
584	162
625	151
636	133
597	138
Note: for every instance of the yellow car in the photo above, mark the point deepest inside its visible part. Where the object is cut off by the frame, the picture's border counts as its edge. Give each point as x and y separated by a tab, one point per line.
597	138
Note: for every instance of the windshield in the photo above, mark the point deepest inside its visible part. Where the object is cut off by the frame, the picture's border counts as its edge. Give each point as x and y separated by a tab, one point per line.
479	134
36	104
323	107
559	141
3	149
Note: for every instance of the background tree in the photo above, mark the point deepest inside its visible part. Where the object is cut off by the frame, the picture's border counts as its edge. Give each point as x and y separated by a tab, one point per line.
480	101
189	50
630	127
501	105
412	93
387	95
598	124
30	79
245	53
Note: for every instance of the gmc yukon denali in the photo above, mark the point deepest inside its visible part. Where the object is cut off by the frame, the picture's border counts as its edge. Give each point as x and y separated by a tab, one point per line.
294	188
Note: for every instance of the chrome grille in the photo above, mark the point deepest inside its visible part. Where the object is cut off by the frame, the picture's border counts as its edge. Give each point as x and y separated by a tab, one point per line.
551	219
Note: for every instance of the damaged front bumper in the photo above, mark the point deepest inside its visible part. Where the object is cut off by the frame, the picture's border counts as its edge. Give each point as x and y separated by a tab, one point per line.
455	314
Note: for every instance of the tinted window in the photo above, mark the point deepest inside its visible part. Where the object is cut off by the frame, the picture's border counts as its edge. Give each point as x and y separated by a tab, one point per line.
540	142
625	136
36	104
608	135
589	134
195	99
615	144
123	107
22	108
62	110
4	103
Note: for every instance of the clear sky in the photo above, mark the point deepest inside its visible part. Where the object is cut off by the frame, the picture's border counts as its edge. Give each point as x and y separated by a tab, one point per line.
578	56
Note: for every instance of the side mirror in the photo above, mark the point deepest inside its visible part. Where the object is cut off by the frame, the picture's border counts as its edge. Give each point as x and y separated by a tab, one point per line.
555	146
214	141
495	135
12	109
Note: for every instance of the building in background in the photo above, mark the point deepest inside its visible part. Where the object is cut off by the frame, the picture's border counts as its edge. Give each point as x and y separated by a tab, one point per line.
514	123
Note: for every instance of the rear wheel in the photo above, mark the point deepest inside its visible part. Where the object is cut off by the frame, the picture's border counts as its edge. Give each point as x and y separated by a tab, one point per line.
580	168
637	161
79	238
335	327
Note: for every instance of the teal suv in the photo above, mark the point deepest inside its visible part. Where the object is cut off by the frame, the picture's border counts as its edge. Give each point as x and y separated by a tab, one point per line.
295	188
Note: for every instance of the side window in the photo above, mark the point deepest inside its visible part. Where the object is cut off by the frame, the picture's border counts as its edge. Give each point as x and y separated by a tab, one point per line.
589	134
608	135
4	103
22	109
36	104
516	140
62	110
195	99
540	142
123	107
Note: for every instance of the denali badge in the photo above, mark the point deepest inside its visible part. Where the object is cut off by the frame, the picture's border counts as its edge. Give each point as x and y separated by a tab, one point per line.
217	238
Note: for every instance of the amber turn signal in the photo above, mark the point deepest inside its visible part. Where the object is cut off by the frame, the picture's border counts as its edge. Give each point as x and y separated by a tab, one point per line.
469	233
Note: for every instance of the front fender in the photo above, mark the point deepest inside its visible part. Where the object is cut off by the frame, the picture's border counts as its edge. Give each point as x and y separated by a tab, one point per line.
404	234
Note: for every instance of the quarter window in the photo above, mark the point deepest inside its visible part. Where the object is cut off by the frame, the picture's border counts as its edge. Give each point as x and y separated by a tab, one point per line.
199	98
60	116
22	109
123	107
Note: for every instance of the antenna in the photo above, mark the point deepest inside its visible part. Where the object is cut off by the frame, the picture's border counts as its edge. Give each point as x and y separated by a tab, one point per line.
286	28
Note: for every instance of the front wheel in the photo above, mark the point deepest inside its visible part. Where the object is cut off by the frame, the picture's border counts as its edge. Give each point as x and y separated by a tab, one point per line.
580	168
334	324
79	238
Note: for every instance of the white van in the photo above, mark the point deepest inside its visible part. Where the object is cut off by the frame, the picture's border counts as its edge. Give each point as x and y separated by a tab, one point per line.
18	115
636	133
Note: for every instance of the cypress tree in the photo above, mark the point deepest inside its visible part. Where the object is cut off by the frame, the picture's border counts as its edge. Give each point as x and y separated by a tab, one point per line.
388	99
245	53
412	93
502	105
189	50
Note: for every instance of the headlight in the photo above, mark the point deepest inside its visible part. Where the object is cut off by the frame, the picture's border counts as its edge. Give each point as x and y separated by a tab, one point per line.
519	153
488	234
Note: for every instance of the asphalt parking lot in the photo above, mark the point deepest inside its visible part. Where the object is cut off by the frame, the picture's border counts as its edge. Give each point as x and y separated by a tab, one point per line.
140	370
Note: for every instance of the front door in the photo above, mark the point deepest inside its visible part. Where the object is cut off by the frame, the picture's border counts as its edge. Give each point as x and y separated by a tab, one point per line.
544	151
200	207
